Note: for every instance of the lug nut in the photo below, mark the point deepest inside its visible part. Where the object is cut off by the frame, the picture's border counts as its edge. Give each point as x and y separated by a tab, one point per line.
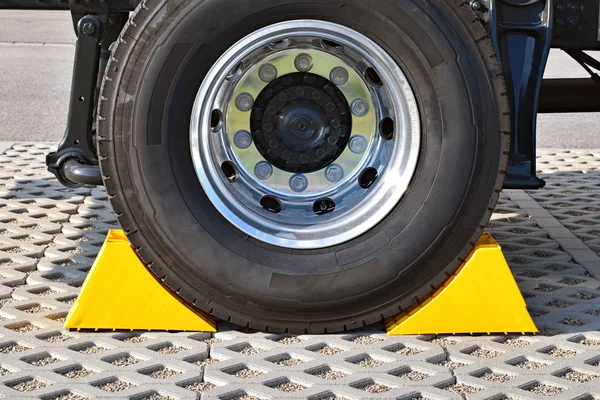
298	183
263	170
360	108
242	139
334	173
303	62
338	76
267	73
244	102
357	144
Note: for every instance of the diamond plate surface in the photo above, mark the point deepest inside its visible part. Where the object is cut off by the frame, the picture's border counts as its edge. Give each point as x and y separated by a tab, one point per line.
50	235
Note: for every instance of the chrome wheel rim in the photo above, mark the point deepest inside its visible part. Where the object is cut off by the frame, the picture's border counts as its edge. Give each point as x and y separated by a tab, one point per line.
263	148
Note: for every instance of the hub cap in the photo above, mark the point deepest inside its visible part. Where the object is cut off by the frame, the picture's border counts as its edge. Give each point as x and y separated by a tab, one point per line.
305	134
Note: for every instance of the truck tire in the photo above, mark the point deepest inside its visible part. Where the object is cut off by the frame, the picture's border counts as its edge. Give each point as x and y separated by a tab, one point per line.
303	165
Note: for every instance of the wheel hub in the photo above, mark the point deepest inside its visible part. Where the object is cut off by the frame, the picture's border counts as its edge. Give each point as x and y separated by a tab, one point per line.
301	122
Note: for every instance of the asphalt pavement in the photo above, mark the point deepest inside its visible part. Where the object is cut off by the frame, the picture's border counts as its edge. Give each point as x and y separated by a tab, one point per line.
36	57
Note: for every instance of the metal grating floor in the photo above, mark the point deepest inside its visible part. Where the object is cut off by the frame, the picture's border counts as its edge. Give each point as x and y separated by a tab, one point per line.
50	235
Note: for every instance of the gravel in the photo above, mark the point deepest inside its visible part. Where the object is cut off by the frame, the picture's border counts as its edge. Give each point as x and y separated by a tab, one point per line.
57	338
369	362
212	340
171	349
69	396
485	353
13	348
206	361
289	362
462	389
4	371
164	373
561	352
93	349
408	351
496	377
520	343
329	350
531	365
29	385
289	387
251	350
558	304
330	374
48	292
375	388
545	288
44	361
548	331
247	373
582	296
590	342
452	365
245	397
578	376
78	373
574	321
200	387
125	361
289	340
116	386
36	309
28	327
444	341
135	339
545	390
414	376
365	340
571	281
157	396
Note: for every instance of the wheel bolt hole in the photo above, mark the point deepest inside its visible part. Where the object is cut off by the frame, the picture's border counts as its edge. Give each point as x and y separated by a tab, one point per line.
236	72
367	177
386	128
230	171
271	203
216	120
324	206
280	44
331	46
372	78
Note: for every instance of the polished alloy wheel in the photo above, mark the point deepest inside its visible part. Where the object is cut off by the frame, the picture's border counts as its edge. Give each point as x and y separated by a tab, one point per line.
305	134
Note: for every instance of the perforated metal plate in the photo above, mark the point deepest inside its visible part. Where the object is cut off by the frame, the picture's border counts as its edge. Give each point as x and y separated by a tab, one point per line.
50	235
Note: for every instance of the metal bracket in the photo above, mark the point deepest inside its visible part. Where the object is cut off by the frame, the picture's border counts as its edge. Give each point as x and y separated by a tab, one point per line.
75	162
521	31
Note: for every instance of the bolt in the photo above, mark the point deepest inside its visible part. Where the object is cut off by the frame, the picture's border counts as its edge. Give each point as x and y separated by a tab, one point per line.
357	144
298	183
338	75
89	28
573	7
561	7
244	102
476	5
573	21
263	170
242	139
360	108
334	173
560	22
303	62
267	73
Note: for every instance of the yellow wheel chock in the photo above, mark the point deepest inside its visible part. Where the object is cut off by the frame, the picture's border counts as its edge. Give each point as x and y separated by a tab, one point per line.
120	293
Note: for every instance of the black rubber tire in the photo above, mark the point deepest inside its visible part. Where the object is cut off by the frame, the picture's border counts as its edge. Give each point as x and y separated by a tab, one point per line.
143	131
